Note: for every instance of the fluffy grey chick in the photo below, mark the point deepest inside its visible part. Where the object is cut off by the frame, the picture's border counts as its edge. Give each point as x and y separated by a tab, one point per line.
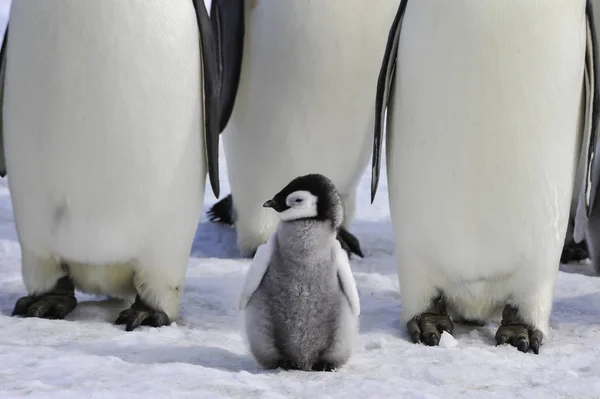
300	300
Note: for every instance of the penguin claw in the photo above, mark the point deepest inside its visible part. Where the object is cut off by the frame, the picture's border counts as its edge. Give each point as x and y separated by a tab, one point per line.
141	314
428	327
518	334
55	304
222	211
522	345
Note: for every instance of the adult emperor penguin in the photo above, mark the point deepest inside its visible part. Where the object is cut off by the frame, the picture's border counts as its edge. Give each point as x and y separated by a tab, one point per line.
300	102
484	105
300	301
110	114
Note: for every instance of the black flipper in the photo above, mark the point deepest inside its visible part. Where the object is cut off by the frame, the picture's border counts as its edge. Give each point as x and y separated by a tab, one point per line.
349	242
2	77
227	18
384	83
210	72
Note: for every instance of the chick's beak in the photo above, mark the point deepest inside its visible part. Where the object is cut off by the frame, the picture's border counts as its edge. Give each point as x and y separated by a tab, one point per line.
269	204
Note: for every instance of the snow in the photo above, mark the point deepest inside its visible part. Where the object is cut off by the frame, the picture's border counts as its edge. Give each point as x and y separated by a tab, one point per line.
203	354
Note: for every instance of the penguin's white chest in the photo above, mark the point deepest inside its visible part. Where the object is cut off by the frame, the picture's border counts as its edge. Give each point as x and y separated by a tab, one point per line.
103	126
483	141
305	100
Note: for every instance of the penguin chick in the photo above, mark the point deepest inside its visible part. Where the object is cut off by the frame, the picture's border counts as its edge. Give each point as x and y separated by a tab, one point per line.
299	299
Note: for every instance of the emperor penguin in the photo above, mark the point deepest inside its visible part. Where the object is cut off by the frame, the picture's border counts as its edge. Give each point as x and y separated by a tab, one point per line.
489	106
110	121
300	301
297	97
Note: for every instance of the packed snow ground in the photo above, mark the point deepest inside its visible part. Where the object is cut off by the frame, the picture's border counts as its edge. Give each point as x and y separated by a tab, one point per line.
203	355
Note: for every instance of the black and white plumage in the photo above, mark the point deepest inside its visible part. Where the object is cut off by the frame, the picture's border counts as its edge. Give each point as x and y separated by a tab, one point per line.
300	300
478	109
110	111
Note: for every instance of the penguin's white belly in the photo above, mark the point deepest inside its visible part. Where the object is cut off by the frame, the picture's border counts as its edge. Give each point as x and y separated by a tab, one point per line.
483	142
305	103
103	132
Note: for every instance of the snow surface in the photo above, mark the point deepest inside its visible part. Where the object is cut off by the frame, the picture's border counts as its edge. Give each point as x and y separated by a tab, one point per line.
203	355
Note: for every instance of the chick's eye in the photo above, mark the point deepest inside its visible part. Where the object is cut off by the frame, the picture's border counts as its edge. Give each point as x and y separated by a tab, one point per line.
298	200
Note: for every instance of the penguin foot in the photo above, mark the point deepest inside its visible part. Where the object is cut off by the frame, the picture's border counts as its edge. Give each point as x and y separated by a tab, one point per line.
517	333
140	314
428	326
574	252
349	242
323	365
55	304
287	365
222	211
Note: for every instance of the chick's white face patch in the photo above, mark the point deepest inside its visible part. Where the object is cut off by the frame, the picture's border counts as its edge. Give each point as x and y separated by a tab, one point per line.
302	204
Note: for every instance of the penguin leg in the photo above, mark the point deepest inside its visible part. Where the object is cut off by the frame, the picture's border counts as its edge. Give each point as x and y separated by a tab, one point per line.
142	314
158	279
54	304
222	212
342	342
427	327
517	332
526	316
157	301
51	291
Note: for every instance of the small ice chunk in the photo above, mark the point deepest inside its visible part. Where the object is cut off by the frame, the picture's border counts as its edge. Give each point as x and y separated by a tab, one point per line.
447	340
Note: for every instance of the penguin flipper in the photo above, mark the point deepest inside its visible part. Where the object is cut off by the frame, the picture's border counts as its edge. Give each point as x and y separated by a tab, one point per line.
344	273
585	206
256	272
382	98
227	18
2	78
210	79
